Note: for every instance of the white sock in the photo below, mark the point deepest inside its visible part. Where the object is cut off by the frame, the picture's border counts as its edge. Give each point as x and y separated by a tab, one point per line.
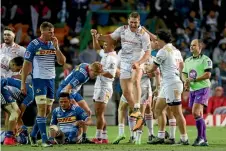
149	123
121	129
137	105
184	137
161	134
132	123
104	134
172	128
138	135
99	133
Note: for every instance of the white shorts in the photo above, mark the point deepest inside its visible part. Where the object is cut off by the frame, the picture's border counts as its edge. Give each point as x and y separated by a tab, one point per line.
161	93
126	69
102	95
146	93
173	93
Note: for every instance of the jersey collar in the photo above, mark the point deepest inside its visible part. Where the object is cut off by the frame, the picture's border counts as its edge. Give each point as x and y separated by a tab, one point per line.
45	42
87	70
199	56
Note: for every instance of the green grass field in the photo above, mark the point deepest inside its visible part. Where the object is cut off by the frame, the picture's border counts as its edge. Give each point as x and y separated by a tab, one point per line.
216	138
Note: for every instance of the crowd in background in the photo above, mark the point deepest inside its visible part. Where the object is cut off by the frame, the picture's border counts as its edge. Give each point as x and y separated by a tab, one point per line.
187	20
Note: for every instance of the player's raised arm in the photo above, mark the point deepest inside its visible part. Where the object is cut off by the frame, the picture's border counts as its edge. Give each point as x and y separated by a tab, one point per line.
153	37
96	44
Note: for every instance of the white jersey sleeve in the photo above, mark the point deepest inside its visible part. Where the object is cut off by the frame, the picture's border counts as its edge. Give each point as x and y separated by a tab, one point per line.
160	57
119	56
21	51
117	33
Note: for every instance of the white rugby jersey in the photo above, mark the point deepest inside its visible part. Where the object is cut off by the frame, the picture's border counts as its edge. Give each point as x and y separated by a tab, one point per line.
110	64
7	53
169	58
132	42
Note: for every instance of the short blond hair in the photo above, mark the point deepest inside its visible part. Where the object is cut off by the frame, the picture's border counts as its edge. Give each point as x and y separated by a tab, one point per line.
45	25
134	15
96	67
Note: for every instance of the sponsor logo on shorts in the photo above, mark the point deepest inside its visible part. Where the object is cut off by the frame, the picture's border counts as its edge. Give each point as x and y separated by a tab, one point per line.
38	91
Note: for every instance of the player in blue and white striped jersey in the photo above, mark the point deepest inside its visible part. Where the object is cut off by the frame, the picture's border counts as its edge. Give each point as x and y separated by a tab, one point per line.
10	87
40	58
67	121
74	81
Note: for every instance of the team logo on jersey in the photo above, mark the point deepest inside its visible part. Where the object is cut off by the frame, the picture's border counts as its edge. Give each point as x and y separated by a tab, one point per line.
66	119
27	54
209	63
112	66
193	74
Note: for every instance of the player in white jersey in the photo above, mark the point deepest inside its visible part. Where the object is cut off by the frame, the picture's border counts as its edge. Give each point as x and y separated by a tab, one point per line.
103	86
171	84
133	40
40	58
146	101
9	50
161	109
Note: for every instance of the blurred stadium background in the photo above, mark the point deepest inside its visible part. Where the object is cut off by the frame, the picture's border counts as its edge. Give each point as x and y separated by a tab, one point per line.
73	19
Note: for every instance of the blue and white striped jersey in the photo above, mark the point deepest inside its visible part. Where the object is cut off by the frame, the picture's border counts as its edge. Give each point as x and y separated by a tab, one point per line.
42	55
76	78
13	87
66	119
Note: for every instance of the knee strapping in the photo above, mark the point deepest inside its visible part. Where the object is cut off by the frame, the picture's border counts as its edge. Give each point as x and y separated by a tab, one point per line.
13	116
49	101
41	99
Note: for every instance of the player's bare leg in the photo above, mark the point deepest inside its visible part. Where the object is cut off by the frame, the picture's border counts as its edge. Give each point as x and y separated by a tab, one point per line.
99	111
178	114
149	119
172	127
160	105
122	110
83	104
136	78
13	110
127	90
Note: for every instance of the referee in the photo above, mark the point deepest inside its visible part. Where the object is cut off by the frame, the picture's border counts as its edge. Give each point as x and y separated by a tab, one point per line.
196	75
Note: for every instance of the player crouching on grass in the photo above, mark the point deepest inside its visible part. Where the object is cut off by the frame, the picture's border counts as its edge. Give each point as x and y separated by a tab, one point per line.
67	122
74	81
10	90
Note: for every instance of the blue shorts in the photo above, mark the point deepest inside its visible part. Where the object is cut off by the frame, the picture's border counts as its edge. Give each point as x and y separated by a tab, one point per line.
71	135
44	87
29	98
76	96
6	96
